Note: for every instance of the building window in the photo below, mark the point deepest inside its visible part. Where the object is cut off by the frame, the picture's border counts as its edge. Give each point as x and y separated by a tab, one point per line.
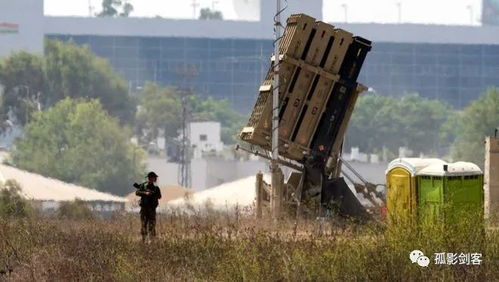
203	137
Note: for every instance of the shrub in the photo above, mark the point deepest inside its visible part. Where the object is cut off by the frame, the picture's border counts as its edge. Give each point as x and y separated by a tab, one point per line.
197	247
76	210
11	202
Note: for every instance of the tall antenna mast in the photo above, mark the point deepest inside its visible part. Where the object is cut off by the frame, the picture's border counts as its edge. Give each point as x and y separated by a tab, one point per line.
187	72
274	164
194	7
185	155
90	9
213	3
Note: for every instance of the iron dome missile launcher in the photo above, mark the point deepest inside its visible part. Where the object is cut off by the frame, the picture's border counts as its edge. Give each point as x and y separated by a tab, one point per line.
319	67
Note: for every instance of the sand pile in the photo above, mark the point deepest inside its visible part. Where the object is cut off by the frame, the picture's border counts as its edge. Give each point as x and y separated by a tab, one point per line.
239	193
168	193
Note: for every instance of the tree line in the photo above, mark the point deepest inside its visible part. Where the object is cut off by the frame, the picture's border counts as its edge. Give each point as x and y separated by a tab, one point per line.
79	118
428	126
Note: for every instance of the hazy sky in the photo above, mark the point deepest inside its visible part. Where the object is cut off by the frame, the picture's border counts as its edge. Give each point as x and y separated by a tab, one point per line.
381	11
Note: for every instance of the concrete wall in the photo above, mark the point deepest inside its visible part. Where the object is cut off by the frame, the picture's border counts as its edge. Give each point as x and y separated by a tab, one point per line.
21	26
168	172
206	173
491	177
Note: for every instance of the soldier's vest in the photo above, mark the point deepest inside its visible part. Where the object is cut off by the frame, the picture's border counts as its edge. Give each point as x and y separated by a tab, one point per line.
148	201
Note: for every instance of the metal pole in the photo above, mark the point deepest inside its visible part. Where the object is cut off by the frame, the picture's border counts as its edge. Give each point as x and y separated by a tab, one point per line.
470	9
345	10
399	9
274	166
90	8
194	6
258	191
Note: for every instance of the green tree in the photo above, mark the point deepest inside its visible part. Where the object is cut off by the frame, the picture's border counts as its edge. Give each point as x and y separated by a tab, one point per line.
11	202
208	14
421	122
112	8
75	210
449	132
31	82
386	122
371	123
78	142
210	109
159	113
74	71
475	122
127	9
24	83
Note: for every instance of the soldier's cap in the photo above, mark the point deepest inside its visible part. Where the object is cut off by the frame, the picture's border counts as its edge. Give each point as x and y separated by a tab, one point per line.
152	174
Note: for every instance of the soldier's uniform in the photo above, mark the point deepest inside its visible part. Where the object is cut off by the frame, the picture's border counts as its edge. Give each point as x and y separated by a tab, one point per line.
148	205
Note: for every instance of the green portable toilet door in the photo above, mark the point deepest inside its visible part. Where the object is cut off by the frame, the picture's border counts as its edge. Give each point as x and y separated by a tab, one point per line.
464	196
430	197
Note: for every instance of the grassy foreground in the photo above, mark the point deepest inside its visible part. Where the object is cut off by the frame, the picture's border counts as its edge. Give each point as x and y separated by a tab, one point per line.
222	247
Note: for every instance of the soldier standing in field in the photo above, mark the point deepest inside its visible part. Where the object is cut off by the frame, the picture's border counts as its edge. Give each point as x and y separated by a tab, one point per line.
149	195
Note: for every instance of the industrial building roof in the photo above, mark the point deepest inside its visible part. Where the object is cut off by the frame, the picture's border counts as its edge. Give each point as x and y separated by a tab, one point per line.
157	27
39	188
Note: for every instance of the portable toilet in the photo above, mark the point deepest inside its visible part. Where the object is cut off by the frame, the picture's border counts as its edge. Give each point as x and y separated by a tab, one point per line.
456	186
401	186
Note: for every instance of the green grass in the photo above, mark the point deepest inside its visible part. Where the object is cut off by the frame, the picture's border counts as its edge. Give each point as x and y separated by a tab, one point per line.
222	247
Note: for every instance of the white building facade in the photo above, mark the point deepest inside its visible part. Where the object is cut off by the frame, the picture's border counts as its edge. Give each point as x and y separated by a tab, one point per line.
205	138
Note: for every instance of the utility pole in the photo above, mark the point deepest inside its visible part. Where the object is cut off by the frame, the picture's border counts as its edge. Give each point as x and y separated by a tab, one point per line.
213	3
345	10
90	9
274	164
470	9
399	9
187	72
194	5
185	154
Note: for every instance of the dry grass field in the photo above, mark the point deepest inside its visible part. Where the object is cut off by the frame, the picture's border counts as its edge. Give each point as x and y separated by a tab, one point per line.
222	247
